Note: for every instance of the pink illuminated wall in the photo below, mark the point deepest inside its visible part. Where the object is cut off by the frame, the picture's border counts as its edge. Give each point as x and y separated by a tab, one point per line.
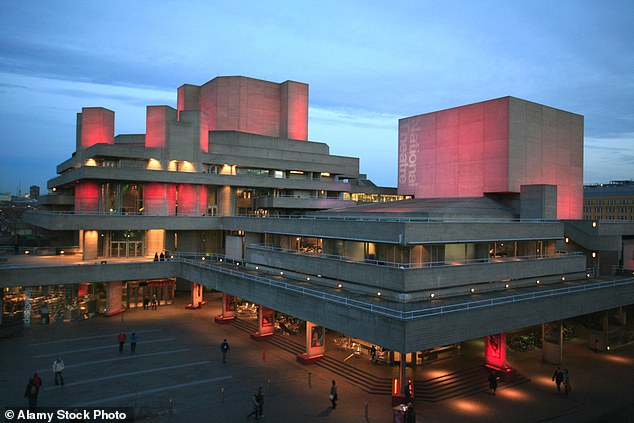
159	199
250	105
493	147
192	200
156	122
95	125
495	351
87	196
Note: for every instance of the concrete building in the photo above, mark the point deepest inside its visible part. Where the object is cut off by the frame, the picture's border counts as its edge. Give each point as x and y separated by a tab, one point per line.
228	187
609	202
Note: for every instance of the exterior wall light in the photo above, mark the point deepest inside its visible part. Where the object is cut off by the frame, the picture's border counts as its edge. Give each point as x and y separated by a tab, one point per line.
607	348
257	267
432	295
472	290
281	273
587	275
238	263
339	286
566	240
563	278
319	276
203	259
594	223
537	282
308	278
506	285
378	293
594	254
220	260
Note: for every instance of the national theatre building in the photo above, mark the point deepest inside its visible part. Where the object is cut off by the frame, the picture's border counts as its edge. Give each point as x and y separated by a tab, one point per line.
484	234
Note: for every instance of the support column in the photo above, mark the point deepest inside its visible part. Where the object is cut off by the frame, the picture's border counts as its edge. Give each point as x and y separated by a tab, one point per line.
495	352
552	342
228	309
399	383
113	303
265	323
196	296
598	339
315	344
89	244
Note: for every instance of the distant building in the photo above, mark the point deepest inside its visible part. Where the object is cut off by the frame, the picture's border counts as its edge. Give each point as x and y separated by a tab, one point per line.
609	202
34	192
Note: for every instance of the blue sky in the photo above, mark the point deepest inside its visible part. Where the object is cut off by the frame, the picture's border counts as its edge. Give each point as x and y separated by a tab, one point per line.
367	63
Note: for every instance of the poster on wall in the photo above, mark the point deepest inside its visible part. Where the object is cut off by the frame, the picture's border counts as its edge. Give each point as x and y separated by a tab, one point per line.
317	336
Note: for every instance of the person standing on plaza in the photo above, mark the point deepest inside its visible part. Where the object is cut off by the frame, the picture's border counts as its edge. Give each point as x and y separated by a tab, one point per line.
31	393
566	381
256	407
224	347
154	302
493	382
259	397
558	377
333	395
122	337
37	380
58	368
133	341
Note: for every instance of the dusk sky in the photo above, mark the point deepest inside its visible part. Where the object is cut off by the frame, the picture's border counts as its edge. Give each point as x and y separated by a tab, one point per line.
367	63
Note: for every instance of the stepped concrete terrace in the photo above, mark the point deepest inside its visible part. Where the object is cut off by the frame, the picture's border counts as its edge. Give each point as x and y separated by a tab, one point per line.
395	325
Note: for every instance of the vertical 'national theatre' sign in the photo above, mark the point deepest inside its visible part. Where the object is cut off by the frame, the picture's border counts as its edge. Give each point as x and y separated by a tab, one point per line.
408	149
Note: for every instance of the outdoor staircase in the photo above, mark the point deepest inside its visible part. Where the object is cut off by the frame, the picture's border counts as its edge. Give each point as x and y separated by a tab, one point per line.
465	382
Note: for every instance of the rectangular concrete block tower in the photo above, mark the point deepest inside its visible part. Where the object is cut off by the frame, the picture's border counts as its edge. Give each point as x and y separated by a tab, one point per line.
493	147
95	125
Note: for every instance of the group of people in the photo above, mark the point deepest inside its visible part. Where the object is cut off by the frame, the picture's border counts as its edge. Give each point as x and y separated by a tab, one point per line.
35	383
153	302
562	377
160	257
122	338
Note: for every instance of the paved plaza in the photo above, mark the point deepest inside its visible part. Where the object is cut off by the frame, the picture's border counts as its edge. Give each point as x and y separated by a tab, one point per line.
178	359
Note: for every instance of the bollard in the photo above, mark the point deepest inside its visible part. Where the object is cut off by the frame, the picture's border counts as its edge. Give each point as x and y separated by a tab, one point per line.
268	382
222	394
310	385
366	412
170	407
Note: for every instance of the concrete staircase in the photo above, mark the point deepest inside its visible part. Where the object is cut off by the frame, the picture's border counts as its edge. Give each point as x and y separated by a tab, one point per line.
464	382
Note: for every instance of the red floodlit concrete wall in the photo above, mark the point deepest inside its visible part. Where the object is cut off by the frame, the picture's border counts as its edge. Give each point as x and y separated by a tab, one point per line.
294	110
493	146
157	119
95	125
87	196
192	200
250	105
460	152
159	199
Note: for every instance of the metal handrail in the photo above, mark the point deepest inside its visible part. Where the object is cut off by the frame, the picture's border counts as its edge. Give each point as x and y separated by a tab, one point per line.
400	314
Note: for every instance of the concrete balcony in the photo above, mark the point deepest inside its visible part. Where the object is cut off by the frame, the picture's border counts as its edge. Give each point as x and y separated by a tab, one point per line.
66	221
292	202
419	280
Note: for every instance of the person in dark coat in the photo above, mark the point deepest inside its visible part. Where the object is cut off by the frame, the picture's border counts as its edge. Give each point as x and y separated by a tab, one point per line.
493	382
333	395
558	377
31	393
224	347
122	336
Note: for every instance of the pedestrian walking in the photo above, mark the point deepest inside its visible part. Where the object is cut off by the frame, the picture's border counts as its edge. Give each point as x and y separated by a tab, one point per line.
333	395
37	380
31	393
493	382
156	257
58	368
558	377
146	303
154	302
122	337
259	397
133	341
224	347
256	407
566	381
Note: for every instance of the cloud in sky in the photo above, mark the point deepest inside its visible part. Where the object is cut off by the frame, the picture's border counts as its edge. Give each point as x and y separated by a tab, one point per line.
367	65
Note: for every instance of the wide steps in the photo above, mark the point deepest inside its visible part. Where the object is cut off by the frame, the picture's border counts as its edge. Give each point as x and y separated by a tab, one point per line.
461	383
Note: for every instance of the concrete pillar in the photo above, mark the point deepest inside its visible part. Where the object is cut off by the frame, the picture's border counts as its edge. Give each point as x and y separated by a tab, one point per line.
552	342
228	309
226	201
495	352
90	245
196	296
315	344
266	317
113	298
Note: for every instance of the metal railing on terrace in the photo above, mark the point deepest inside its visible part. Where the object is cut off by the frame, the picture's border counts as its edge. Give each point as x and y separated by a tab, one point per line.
196	260
413	265
315	218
